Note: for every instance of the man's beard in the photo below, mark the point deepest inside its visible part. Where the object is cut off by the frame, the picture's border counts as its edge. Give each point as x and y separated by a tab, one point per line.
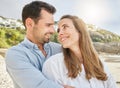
47	41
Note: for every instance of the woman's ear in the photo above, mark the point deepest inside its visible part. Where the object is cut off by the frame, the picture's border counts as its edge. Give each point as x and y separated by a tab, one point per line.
29	23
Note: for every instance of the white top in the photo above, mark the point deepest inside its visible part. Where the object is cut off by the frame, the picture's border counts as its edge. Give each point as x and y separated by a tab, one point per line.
55	69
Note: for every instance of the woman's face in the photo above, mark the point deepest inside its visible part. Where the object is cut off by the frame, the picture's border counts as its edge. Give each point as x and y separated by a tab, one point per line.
68	35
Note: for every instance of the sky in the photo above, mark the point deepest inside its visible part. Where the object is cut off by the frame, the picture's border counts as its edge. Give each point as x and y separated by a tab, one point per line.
104	14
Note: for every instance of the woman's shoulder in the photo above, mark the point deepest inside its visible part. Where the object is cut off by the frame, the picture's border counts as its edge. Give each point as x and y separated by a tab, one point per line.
55	58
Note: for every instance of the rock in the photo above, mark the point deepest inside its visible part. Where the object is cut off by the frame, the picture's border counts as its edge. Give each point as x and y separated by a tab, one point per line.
112	48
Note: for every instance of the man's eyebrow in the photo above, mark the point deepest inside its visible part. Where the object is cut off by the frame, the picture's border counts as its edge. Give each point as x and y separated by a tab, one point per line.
50	23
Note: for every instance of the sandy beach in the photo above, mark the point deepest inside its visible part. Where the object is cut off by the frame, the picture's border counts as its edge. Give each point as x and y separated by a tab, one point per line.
112	61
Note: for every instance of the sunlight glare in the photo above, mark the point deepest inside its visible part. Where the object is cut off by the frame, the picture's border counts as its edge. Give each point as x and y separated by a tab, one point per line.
93	13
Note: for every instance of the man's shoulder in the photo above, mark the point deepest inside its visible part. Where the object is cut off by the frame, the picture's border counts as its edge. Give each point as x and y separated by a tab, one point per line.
18	49
17	53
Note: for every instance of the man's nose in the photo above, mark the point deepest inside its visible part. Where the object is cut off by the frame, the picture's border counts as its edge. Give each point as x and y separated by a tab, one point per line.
52	29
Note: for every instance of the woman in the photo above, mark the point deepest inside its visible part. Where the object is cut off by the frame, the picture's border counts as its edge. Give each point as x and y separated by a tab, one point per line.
79	64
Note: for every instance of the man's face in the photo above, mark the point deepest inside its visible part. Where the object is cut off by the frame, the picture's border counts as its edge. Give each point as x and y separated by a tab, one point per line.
42	31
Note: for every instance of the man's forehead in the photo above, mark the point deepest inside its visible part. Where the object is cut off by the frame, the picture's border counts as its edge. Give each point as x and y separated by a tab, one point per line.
45	13
47	18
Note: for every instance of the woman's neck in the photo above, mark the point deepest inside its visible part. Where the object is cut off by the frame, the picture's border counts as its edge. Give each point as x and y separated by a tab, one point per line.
77	52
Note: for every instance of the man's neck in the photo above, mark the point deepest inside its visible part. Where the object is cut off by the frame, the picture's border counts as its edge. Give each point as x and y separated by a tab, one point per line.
41	47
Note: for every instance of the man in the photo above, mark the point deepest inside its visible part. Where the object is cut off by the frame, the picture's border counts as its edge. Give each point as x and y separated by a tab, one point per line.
24	61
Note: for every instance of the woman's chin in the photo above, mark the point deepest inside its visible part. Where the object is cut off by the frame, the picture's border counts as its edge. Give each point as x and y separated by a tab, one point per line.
65	46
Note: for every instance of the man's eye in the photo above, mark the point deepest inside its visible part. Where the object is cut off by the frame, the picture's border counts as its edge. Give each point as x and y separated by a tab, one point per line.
48	25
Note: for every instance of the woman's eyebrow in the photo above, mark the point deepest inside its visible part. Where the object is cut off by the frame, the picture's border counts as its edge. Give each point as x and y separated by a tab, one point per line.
64	25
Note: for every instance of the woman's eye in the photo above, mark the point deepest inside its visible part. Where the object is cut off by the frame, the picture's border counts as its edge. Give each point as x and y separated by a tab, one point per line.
58	30
64	27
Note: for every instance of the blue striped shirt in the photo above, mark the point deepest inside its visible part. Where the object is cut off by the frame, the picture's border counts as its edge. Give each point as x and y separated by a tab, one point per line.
24	64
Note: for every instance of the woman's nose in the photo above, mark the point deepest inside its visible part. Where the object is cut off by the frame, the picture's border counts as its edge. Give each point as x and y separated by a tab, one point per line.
61	32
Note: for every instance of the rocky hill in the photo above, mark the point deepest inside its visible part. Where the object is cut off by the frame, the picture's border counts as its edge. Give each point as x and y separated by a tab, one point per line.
101	35
111	48
104	41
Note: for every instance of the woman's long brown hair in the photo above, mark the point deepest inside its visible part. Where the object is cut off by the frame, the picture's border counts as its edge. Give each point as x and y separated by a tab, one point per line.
92	64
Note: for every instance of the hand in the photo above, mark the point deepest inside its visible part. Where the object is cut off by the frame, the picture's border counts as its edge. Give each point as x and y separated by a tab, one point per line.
66	86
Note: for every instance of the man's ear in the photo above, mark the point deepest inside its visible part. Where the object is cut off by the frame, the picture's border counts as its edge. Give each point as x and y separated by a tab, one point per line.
29	23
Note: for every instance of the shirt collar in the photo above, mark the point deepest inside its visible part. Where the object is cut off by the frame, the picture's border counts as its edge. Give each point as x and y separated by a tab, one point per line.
32	45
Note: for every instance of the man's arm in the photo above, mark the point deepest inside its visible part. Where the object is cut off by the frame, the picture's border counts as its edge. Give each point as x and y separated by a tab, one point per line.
24	73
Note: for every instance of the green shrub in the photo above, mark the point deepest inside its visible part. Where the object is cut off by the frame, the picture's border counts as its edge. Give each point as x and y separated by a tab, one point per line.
54	37
10	37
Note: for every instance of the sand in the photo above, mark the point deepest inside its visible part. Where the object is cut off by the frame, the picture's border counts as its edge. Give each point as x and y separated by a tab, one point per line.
113	63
